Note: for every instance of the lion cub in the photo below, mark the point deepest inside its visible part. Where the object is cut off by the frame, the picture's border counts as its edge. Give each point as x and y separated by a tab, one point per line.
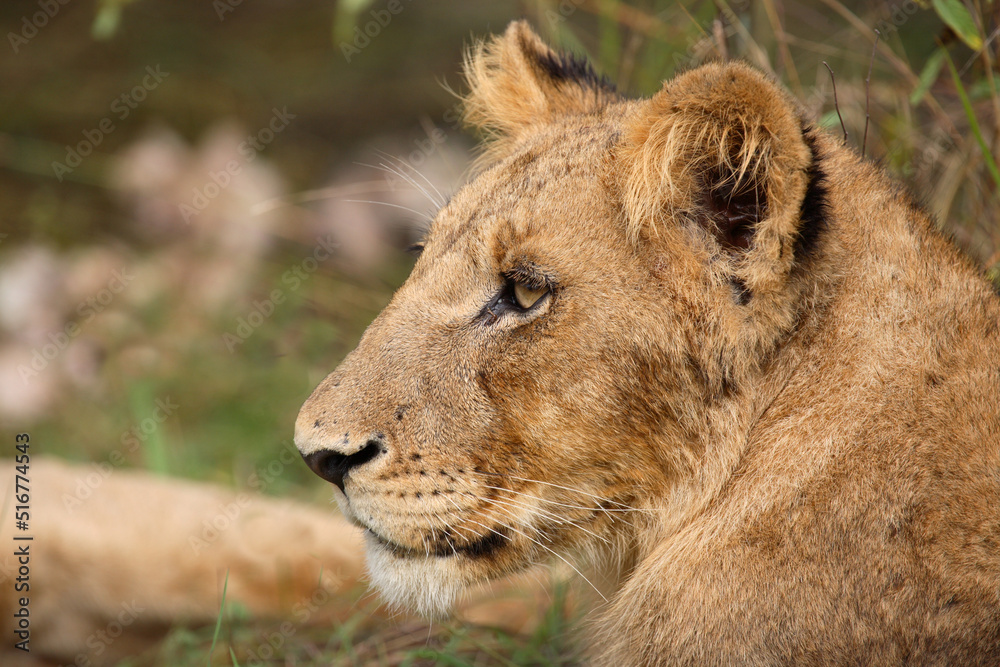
695	346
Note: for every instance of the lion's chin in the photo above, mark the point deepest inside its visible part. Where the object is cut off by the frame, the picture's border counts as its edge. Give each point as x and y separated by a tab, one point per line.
429	586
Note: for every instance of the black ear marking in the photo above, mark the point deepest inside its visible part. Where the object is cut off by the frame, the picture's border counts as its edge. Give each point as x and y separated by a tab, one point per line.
733	210
567	67
561	66
814	212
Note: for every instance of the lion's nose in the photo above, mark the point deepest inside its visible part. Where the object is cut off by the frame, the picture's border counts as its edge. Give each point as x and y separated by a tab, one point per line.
334	466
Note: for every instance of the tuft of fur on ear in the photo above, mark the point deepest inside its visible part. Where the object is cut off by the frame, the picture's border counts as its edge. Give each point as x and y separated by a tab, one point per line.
722	147
516	81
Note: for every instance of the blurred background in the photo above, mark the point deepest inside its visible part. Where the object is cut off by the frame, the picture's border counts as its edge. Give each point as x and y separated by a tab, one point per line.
203	204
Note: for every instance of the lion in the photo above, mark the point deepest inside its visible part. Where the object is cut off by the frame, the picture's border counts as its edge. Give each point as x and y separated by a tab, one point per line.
697	350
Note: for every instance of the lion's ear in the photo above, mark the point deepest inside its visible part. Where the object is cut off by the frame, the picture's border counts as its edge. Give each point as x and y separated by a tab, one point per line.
516	81
721	148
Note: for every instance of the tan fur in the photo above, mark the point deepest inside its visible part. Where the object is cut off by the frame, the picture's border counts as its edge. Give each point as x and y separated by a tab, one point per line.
759	401
120	557
510	93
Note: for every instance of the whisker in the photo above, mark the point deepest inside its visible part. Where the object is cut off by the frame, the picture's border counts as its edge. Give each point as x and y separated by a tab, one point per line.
477	537
606	511
495	532
425	216
418	173
538	543
458	519
447	537
392	170
438	203
552	517
387	169
305	196
554	553
558	486
544	513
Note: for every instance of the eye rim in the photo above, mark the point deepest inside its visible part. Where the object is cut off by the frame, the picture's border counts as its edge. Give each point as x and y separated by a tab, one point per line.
505	301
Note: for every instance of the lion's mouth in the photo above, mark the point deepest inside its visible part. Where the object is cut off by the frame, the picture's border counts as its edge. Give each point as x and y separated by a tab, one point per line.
396	549
442	545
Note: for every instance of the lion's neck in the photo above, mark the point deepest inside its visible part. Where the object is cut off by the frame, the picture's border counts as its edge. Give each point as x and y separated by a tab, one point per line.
716	437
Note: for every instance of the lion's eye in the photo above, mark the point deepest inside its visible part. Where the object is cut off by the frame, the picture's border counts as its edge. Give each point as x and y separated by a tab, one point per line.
527	297
521	296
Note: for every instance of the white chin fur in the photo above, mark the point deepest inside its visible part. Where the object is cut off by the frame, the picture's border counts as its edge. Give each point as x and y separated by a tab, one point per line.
428	586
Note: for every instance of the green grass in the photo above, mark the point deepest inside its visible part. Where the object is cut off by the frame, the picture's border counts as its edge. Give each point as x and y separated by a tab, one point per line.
218	622
237	639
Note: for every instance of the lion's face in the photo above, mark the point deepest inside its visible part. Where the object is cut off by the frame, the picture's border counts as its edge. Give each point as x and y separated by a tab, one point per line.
540	373
497	418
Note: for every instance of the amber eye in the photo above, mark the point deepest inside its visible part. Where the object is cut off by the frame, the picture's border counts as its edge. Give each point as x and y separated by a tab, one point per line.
527	297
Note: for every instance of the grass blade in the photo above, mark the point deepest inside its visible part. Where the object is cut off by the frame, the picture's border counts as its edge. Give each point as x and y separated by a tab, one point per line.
218	621
957	17
928	75
991	165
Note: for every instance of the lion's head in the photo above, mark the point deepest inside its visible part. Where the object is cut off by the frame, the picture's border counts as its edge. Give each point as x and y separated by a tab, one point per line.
618	271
